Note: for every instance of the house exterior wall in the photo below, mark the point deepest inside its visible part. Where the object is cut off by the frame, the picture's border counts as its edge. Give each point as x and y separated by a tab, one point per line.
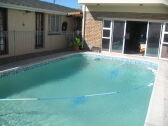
95	15
21	33
19	20
21	26
59	41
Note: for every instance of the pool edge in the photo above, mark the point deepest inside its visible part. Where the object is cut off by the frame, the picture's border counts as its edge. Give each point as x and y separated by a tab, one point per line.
12	71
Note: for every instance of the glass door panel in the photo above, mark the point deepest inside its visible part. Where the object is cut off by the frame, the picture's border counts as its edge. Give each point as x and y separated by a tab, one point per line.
118	36
107	24
106	35
105	44
154	35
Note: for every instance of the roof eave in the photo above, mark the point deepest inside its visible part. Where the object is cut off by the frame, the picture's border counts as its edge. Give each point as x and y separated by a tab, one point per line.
12	6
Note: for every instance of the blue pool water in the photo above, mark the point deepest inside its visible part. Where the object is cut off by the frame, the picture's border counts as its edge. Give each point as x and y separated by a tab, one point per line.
78	91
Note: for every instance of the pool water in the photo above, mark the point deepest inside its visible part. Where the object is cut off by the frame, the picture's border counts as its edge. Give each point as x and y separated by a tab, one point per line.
78	76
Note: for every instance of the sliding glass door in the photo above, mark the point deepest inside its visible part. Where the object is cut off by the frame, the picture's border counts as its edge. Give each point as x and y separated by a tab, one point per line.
156	40
118	36
153	43
113	36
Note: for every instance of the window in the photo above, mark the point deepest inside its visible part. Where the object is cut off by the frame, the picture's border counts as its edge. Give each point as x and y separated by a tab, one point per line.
165	33
164	42
107	23
53	24
106	35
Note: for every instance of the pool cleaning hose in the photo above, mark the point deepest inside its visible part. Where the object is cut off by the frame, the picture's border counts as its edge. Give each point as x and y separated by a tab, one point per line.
78	97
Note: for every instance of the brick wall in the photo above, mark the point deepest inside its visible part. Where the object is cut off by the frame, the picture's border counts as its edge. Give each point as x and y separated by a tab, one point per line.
93	31
93	24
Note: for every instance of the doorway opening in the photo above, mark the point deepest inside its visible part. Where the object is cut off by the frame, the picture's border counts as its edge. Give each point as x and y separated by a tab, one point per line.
39	30
135	38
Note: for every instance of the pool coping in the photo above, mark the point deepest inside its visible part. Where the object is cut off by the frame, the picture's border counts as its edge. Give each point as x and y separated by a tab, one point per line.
152	118
24	68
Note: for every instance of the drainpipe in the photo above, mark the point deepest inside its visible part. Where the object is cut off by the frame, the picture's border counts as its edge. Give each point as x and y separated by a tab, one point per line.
83	22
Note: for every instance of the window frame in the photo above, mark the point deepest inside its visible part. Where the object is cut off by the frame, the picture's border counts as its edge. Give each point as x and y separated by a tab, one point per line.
106	28
52	22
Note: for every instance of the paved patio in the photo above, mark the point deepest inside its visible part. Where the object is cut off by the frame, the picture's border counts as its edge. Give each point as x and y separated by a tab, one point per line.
158	109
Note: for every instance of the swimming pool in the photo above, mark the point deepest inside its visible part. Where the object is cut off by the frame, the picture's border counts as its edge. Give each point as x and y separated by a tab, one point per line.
78	90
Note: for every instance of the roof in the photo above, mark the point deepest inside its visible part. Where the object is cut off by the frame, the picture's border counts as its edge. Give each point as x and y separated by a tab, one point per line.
36	5
123	2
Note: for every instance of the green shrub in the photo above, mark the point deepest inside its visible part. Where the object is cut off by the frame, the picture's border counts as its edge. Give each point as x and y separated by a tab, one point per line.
76	42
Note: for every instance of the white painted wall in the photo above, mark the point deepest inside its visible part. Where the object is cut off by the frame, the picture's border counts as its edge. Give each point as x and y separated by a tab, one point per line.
129	8
21	33
21	37
58	41
123	1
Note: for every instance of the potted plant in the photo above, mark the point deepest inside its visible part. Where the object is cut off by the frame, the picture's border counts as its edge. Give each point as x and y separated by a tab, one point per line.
76	43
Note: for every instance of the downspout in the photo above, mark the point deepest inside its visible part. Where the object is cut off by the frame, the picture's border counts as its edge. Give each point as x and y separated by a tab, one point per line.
83	23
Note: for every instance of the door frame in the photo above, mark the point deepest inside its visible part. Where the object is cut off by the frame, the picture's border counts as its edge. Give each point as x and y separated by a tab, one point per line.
125	28
147	35
162	40
110	37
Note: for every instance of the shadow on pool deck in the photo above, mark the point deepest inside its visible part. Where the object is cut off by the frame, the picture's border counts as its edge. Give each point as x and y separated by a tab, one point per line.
25	80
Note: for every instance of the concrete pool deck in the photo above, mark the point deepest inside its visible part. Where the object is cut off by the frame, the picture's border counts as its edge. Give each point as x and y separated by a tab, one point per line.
158	109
